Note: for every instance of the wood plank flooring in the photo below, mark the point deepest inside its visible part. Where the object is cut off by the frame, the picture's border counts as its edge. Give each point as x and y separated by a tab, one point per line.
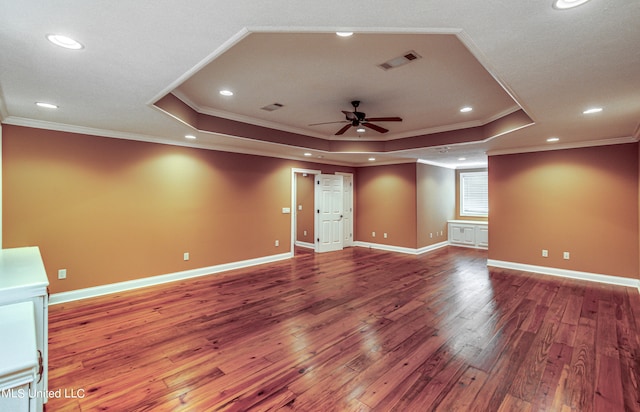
356	330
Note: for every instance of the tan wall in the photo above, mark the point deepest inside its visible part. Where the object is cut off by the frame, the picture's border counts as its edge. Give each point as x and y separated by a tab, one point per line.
457	190
584	201
386	202
305	199
435	203
111	210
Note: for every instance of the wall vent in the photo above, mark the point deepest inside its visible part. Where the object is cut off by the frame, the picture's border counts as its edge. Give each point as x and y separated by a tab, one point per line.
272	107
407	57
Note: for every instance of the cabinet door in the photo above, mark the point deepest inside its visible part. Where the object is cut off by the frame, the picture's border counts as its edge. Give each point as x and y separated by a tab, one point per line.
457	234
462	234
469	235
482	236
15	399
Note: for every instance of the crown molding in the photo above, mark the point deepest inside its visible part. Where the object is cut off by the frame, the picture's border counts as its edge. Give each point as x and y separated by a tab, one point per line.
572	145
61	127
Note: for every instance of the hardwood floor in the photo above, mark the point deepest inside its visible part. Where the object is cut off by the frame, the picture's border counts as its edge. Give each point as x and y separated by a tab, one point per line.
356	330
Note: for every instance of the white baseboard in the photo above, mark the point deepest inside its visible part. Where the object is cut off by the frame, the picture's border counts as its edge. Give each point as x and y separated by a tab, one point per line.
400	249
86	293
468	246
305	244
573	274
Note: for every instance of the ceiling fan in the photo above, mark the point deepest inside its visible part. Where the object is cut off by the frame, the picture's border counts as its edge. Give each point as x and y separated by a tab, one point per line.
356	118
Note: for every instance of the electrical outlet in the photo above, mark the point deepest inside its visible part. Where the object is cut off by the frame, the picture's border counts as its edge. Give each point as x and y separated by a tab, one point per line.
305	233
431	235
545	253
186	256
373	234
277	243
565	255
385	235
62	274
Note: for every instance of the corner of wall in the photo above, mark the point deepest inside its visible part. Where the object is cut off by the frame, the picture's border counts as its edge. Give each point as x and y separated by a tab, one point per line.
1	218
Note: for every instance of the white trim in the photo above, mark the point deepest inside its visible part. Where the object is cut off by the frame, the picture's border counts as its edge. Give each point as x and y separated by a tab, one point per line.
352	206
573	145
572	274
61	127
305	245
1	200
469	222
468	246
294	197
399	249
236	38
86	293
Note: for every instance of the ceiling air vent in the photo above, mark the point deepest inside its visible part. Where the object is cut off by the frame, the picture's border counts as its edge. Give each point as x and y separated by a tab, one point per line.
272	107
407	57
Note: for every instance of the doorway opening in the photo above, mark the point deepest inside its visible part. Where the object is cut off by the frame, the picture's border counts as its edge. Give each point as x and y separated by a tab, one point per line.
322	211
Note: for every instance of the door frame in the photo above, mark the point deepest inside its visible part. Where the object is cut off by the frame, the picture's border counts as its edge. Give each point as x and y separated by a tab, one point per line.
351	226
331	215
294	206
294	197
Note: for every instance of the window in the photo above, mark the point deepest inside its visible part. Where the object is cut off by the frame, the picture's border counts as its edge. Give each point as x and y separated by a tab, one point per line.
474	194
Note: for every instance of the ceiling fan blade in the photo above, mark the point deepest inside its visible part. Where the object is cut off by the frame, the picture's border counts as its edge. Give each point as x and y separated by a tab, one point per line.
375	127
384	119
318	124
344	129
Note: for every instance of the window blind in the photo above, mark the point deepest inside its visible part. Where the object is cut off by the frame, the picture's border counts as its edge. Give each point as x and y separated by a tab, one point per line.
474	194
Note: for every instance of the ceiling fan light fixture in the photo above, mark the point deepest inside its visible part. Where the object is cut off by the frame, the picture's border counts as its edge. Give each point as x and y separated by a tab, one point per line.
593	110
466	109
553	139
361	130
226	92
344	33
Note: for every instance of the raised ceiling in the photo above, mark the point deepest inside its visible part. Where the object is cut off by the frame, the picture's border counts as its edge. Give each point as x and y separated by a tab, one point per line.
520	59
316	75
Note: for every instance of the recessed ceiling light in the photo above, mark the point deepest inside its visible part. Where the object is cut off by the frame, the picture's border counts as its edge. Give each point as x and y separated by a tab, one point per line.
226	92
466	109
462	158
189	136
567	4
371	159
361	130
344	33
46	105
553	139
308	154
593	110
64	41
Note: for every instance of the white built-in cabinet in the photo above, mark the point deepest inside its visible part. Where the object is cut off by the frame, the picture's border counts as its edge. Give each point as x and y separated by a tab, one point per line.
18	358
24	307
469	233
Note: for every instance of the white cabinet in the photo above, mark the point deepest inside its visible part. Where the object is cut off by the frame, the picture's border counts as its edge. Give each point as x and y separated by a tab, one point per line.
23	279
18	358
469	233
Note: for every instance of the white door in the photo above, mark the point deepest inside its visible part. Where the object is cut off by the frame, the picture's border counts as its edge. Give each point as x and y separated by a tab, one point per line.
347	210
329	204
